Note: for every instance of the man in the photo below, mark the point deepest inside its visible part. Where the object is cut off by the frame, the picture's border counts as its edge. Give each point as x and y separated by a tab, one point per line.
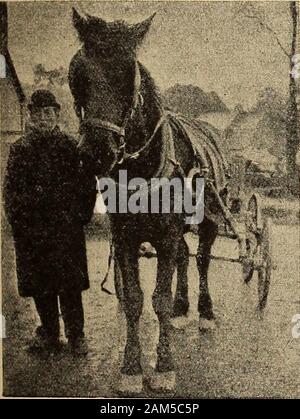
48	199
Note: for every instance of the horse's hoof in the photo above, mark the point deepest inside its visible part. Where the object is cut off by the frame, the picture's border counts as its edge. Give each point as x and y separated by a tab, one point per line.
130	384
163	381
206	325
180	322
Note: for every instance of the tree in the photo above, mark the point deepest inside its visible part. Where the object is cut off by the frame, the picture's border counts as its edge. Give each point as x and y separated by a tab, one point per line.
292	115
251	11
271	101
50	77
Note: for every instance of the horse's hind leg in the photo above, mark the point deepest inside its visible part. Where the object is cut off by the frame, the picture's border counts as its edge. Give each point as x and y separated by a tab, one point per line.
207	234
132	304
181	301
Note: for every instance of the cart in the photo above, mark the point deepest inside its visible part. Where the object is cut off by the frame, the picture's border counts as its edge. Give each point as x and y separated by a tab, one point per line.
244	222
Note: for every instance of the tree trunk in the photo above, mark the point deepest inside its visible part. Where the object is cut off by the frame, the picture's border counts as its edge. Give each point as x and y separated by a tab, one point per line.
292	141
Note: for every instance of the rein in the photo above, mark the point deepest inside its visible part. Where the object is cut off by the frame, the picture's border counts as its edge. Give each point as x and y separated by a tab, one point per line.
120	129
136	154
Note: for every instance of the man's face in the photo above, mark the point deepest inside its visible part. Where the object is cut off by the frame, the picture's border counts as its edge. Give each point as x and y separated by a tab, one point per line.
44	119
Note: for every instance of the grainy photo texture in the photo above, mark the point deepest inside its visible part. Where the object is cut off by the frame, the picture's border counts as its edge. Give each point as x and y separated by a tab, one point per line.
150	199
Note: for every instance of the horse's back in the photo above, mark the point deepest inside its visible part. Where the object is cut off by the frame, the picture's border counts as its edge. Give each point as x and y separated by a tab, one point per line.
205	141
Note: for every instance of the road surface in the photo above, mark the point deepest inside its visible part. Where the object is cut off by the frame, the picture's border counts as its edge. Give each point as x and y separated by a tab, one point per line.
244	357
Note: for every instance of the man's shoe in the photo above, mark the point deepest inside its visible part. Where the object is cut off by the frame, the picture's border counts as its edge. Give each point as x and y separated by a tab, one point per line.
79	346
39	342
42	344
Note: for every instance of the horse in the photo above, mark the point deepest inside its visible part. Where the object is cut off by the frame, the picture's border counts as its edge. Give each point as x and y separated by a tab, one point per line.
124	126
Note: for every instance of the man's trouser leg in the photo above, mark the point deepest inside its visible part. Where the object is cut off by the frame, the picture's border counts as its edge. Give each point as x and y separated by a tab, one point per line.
47	308
72	312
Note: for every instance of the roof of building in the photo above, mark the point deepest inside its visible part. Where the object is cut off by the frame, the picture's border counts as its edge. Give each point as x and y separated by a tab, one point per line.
11	71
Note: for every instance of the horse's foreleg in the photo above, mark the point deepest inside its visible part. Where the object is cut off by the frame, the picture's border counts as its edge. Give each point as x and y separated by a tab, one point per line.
181	302
132	303
164	378
118	284
208	233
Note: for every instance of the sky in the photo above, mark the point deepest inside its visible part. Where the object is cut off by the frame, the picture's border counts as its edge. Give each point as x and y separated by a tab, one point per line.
207	44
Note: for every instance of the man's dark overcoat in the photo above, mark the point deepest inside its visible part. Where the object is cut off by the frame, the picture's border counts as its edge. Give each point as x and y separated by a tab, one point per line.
48	199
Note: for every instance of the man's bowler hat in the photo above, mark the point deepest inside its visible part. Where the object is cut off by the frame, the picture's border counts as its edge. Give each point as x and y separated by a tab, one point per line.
42	98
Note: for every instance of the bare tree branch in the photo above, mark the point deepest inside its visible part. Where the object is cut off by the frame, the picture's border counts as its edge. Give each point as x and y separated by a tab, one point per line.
253	14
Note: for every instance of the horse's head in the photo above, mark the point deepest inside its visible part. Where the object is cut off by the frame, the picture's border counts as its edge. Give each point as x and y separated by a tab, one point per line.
105	80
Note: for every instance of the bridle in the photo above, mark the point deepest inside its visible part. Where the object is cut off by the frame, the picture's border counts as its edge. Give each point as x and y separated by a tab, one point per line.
137	101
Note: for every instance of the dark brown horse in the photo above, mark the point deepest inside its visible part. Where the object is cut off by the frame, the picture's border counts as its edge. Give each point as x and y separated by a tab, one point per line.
124	127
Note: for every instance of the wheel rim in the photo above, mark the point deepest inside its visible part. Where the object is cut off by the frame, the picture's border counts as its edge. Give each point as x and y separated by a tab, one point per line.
252	216
264	273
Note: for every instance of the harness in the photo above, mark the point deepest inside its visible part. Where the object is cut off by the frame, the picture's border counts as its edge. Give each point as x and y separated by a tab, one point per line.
120	130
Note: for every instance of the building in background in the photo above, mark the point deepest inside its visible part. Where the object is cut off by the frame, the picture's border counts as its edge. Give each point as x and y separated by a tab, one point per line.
12	105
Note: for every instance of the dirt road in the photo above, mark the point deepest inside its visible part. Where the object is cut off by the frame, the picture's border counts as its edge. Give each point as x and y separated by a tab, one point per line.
244	357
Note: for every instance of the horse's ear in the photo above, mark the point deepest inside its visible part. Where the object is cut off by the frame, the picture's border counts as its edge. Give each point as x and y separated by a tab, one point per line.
100	22
78	21
139	30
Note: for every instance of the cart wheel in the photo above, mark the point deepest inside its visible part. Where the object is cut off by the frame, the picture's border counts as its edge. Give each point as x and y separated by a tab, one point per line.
253	227
264	271
248	262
